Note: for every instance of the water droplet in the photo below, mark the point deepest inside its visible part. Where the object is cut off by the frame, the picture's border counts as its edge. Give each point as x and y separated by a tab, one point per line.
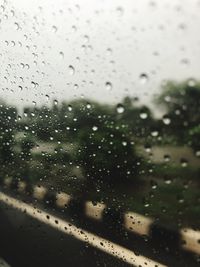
180	199
88	106
71	70
119	11
70	108
197	153
185	61
166	120
76	86
108	86
154	133
147	148
94	128
54	28
168	181
124	143
120	108
191	82
167	158
12	13
33	83
12	43
184	163
167	98
86	38
182	26
61	54
153	185
143	115
16	26
2	8
143	78
109	51
74	28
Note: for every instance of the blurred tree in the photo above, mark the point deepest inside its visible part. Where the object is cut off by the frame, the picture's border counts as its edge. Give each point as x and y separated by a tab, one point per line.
7	127
137	120
27	143
80	113
194	139
106	155
182	104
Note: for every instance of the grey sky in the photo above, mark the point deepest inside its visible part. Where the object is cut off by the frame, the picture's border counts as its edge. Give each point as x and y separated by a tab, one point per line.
105	41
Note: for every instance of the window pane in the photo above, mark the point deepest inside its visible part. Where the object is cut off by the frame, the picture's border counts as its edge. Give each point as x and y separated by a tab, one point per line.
99	132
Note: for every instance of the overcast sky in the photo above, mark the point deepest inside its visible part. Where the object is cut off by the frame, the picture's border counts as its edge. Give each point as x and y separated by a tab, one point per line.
95	49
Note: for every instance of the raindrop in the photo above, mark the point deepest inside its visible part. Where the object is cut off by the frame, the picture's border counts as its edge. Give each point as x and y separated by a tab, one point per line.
184	163
94	128
88	106
16	26
166	158
109	51
147	148
120	108
2	8
182	26
108	86
197	153
61	54
124	143
168	181
167	98
180	199
154	133
153	185
12	13
120	11
143	78
33	84
71	70
191	82
12	43
166	120
143	115
74	28
76	86
185	61
54	28
70	108
86	38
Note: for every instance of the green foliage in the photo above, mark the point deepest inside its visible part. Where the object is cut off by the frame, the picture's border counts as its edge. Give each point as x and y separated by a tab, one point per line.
137	119
7	128
194	138
182	104
27	143
106	155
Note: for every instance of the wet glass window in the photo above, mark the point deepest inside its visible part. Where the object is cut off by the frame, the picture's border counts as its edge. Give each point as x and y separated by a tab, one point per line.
99	133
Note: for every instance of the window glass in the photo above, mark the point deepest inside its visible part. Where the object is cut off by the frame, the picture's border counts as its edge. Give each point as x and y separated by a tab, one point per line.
99	132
